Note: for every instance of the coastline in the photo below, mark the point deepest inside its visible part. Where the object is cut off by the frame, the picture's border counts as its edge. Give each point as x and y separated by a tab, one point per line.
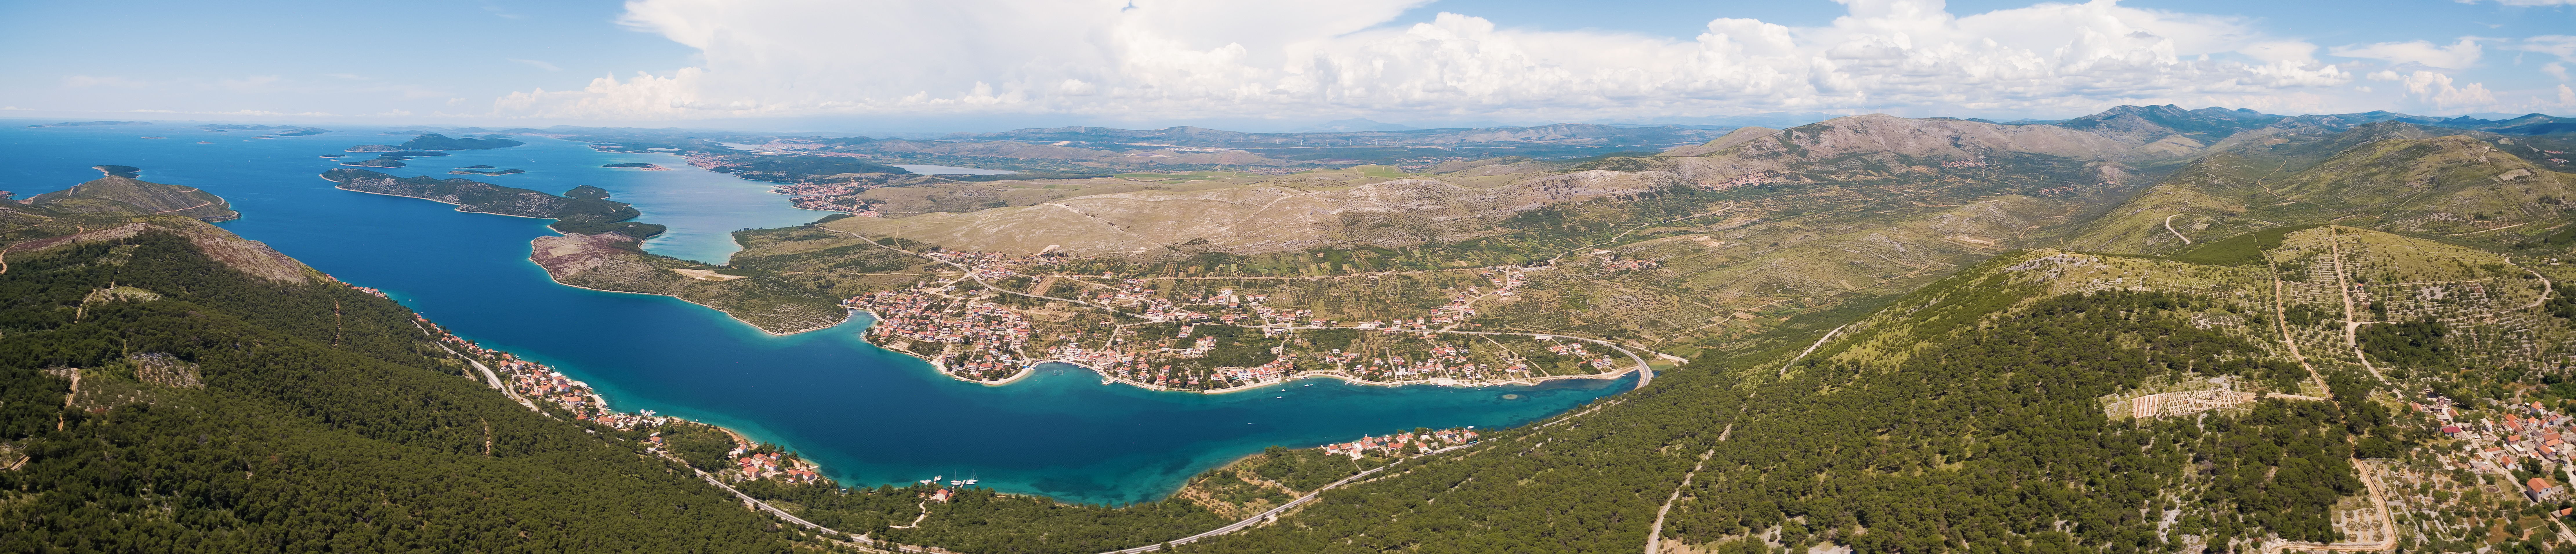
550	276
845	318
1024	372
459	207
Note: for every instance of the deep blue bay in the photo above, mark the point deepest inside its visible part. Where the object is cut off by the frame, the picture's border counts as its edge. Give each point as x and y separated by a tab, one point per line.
868	415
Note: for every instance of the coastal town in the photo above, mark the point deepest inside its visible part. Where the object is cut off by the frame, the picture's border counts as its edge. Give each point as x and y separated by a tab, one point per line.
546	389
1003	315
1403	444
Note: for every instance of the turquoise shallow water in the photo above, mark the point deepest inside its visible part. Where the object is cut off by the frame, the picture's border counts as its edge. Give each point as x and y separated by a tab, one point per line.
868	415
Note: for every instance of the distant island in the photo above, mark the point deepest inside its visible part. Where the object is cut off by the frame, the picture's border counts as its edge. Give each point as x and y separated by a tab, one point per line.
642	166
334	155
374	148
477	166
435	141
378	162
413	153
91	123
473	172
282	130
584	210
125	171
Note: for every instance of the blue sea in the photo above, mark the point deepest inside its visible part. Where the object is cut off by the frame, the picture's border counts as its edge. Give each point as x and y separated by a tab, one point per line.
868	415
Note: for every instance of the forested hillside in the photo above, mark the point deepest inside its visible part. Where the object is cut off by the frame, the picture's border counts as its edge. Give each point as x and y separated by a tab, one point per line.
154	398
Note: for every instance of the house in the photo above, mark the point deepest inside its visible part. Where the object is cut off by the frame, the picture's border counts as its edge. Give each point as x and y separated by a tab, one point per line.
2540	489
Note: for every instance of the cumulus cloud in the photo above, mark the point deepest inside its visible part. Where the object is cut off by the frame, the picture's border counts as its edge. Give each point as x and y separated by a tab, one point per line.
2458	55
1238	58
2435	89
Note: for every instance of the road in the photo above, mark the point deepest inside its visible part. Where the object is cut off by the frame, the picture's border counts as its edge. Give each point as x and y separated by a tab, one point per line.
2387	525
2177	234
862	540
493	378
1645	373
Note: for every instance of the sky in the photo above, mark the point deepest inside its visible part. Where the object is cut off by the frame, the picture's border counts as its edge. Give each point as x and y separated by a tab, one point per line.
988	64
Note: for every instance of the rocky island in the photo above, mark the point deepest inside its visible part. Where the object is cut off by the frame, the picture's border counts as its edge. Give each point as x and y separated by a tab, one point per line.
638	165
583	210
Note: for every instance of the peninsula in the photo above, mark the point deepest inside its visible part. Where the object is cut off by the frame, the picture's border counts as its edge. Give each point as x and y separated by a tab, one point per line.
583	210
121	191
638	165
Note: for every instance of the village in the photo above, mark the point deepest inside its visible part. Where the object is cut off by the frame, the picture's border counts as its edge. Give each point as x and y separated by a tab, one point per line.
1207	336
538	383
1404	444
2523	437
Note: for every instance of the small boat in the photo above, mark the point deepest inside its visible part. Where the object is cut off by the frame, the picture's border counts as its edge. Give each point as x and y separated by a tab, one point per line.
204	142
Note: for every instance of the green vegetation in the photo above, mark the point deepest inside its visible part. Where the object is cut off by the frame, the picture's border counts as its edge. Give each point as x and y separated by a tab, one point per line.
2242	249
311	432
587	212
790	169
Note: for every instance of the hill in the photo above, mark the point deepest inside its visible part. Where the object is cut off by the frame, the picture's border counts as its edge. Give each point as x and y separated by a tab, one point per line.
2385	176
120	192
173	388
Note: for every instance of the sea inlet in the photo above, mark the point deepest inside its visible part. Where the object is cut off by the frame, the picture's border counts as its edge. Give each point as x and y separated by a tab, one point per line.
869	416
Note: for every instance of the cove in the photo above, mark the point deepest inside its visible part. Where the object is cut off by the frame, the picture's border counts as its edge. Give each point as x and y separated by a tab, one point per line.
870	416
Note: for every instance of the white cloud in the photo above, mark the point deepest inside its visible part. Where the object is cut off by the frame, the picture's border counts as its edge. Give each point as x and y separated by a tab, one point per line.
2435	89
2458	55
1237	58
2291	50
2554	69
2566	96
537	64
2563	46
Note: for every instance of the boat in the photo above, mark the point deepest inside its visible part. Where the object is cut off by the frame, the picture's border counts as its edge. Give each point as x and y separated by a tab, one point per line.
205	142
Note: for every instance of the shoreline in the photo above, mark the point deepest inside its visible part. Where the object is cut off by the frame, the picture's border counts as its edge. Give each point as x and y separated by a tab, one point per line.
550	276
1023	373
459	207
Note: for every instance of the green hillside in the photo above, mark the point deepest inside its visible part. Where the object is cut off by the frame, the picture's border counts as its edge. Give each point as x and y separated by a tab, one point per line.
162	390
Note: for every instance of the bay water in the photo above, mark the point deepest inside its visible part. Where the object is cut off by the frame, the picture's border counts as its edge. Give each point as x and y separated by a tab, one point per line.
869	416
